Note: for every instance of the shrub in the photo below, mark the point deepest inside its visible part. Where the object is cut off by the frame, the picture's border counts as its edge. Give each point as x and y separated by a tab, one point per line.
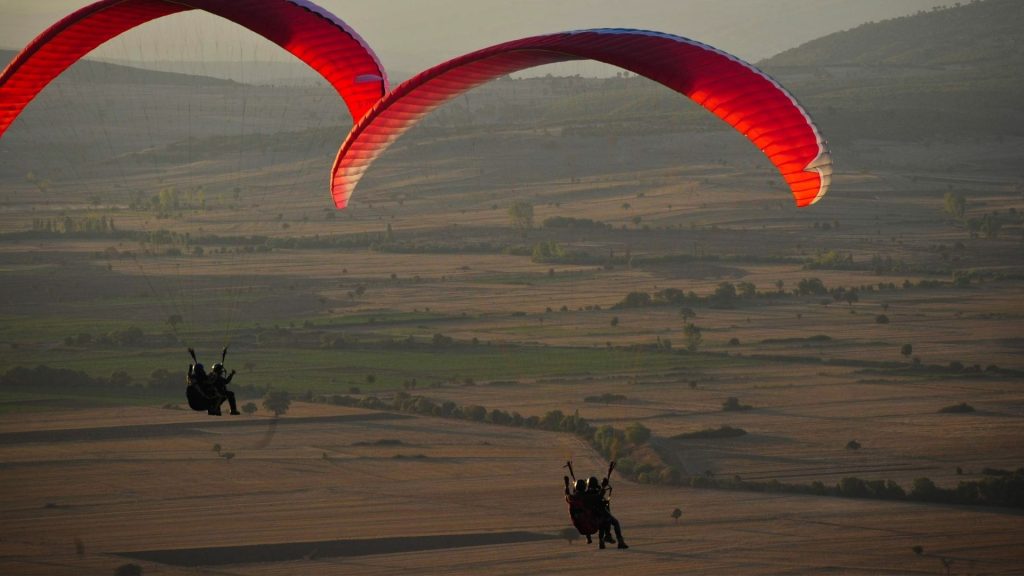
605	398
853	487
724	431
670	475
277	401
474	412
961	408
924	489
811	286
732	404
692	336
637	433
442	341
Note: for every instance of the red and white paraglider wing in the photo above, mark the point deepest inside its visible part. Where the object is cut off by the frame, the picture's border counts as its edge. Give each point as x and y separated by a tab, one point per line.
312	34
65	42
743	96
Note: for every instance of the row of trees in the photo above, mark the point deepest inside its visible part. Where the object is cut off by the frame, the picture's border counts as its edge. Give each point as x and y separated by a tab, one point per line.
1003	489
88	225
554	420
613	443
988	225
996	488
169	200
728	294
161	382
133	336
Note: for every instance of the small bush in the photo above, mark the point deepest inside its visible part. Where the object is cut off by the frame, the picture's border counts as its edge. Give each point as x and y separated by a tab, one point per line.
961	408
277	401
724	431
128	570
381	442
732	404
605	398
637	433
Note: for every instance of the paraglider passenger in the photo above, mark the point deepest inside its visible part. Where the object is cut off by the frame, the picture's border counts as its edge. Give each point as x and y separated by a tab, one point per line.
576	497
220	387
197	374
202	390
596	497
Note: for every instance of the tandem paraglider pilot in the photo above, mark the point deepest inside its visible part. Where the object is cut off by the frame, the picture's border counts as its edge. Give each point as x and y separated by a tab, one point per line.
209	391
590	507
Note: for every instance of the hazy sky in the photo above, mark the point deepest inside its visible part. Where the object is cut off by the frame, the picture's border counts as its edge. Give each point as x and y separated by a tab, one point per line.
409	35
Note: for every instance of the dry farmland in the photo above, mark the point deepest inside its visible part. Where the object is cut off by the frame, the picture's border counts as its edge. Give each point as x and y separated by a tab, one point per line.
841	331
340	491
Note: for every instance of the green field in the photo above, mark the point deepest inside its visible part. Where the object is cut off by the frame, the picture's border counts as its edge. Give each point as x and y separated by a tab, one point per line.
336	370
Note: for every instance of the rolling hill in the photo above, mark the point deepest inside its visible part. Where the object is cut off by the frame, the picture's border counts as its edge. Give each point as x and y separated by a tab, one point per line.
88	71
945	75
976	35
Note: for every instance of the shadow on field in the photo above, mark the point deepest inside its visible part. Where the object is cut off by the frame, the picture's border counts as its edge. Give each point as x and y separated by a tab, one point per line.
199	427
291	551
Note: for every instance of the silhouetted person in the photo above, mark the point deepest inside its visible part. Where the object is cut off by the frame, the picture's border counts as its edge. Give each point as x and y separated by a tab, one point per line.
576	498
596	499
201	391
219	384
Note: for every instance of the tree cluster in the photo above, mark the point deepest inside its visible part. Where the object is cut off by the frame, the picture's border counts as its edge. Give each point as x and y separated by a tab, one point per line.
132	336
85	226
611	442
574	223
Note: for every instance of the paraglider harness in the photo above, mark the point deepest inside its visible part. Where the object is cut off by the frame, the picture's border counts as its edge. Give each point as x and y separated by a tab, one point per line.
201	394
586	515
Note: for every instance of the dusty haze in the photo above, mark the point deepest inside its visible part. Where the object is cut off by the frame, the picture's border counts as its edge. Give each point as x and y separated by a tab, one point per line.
399	30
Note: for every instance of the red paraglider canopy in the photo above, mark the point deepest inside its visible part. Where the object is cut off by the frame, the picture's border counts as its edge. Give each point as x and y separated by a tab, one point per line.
741	95
302	28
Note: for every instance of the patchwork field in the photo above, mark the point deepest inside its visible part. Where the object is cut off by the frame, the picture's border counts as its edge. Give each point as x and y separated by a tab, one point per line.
549	254
335	491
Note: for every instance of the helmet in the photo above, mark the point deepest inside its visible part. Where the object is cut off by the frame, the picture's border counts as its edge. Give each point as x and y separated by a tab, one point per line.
581	485
593	483
198	368
218	368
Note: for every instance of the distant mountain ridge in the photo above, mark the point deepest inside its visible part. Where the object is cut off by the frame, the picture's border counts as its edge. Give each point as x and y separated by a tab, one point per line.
91	71
982	33
945	74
